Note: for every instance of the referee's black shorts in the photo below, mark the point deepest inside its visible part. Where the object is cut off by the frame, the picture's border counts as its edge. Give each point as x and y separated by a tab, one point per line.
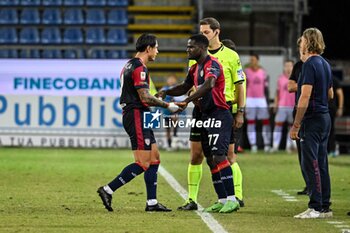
141	138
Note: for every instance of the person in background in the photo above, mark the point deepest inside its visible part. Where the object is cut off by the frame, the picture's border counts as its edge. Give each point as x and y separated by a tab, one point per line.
237	174
283	107
312	123
293	87
257	103
336	106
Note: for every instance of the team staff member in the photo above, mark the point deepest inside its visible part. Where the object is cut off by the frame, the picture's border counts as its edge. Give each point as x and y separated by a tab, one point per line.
208	78
135	99
234	90
312	122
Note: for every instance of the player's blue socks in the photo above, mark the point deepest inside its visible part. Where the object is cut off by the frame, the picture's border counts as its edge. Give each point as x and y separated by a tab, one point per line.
151	176
227	179
218	184
128	173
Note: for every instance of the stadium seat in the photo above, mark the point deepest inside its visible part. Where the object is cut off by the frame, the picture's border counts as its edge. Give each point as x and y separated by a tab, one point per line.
117	36
73	16
30	16
95	2
117	17
52	2
73	2
73	36
8	36
95	36
73	54
51	53
117	3
29	35
8	16
95	16
30	2
30	53
52	16
123	54
9	2
8	53
51	36
97	54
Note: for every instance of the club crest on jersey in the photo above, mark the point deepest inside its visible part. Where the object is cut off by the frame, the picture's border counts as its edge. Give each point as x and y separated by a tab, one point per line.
143	75
148	141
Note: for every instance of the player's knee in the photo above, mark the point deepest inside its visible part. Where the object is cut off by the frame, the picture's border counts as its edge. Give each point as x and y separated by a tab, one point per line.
197	159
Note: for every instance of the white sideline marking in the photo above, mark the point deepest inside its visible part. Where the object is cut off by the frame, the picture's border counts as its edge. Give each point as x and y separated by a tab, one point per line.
207	218
284	195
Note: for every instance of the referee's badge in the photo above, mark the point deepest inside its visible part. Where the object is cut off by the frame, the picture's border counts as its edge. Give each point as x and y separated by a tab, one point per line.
143	75
147	141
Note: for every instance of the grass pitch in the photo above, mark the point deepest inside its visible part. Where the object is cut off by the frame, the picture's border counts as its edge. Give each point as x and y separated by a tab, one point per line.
54	190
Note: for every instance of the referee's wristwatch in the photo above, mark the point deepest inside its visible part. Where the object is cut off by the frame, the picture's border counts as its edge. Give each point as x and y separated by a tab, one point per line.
240	109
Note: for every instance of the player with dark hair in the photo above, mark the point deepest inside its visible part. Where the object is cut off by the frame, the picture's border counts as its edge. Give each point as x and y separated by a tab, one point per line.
136	99
234	91
207	77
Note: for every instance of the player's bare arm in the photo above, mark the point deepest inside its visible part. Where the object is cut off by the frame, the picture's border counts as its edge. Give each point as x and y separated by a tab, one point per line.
178	90
208	84
292	86
149	99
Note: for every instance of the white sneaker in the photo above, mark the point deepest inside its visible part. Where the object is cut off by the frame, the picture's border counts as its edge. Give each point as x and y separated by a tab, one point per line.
254	149
309	213
267	149
326	214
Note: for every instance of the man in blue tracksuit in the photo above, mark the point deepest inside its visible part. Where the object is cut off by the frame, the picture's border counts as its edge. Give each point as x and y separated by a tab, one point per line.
312	123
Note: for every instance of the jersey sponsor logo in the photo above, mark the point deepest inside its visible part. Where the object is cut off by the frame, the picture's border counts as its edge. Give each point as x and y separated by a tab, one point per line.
143	75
